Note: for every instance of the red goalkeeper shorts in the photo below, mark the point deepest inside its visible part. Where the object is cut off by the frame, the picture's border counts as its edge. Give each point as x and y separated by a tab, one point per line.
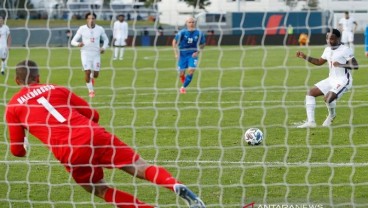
87	161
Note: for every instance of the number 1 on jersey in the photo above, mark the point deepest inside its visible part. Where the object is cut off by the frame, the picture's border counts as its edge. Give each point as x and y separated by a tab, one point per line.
46	104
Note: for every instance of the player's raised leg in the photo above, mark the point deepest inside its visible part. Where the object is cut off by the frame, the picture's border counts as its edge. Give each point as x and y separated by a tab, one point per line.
330	100
111	195
331	113
123	199
160	176
186	194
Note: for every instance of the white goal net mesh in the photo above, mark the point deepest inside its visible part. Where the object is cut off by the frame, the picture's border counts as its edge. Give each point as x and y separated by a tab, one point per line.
248	76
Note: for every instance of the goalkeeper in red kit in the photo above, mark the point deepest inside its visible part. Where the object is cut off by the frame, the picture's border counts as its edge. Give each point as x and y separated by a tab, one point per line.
69	127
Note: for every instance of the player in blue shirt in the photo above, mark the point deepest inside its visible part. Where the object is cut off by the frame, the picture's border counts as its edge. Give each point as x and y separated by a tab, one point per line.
187	44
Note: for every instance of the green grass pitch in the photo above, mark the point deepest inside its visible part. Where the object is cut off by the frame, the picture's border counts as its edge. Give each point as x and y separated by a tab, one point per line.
198	136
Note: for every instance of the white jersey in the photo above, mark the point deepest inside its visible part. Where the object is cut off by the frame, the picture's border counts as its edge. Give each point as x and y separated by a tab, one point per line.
347	24
342	54
91	38
120	30
4	34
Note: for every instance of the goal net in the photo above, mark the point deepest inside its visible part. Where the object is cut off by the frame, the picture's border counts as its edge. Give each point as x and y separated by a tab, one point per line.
248	76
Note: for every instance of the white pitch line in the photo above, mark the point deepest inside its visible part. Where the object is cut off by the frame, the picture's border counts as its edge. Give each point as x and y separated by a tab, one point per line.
275	163
300	102
194	162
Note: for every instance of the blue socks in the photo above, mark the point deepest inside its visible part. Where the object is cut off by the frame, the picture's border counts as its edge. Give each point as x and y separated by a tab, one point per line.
188	79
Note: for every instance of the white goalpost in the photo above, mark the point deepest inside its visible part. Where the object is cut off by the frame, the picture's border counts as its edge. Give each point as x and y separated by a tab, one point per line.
248	76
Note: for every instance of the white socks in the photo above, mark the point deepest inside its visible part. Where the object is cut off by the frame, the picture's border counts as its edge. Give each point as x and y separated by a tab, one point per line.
310	105
90	83
117	51
351	45
90	86
3	65
121	53
331	108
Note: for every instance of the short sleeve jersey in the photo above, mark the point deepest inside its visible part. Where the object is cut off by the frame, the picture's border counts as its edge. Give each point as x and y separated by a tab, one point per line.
342	54
91	38
188	41
120	30
347	24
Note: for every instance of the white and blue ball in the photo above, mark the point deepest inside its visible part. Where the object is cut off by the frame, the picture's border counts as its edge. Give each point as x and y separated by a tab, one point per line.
253	136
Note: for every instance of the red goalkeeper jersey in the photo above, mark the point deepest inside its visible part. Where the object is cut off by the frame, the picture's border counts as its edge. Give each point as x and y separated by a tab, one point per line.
53	114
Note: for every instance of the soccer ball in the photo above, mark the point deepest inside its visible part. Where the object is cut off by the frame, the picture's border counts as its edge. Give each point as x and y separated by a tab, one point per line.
253	136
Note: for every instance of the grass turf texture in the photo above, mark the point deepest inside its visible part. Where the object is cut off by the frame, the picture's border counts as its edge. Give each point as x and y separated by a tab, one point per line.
197	136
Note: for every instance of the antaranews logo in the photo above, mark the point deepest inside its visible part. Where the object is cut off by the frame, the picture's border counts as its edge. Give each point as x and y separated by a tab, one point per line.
254	205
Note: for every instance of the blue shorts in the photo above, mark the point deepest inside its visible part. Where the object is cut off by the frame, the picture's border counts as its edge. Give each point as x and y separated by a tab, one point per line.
187	62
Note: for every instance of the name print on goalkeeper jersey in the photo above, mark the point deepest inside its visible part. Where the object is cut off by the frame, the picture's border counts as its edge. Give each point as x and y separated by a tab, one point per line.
35	92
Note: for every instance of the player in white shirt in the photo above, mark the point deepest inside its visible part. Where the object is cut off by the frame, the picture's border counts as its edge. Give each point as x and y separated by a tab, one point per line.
90	49
120	36
348	26
340	60
5	42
